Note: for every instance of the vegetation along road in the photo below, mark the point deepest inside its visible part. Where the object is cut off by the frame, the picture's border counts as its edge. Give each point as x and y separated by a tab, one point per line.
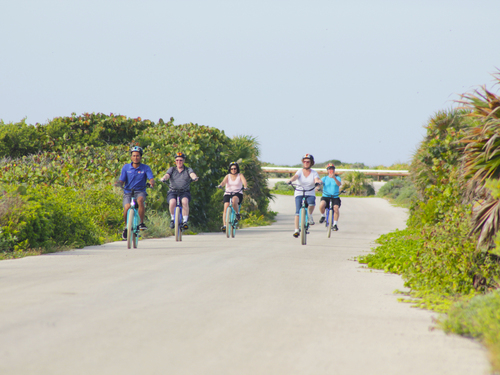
258	304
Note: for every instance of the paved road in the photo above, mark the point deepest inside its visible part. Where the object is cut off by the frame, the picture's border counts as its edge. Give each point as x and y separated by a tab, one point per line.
258	304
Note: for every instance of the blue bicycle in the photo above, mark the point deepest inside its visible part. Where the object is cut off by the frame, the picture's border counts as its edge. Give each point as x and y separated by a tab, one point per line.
178	221
329	214
303	213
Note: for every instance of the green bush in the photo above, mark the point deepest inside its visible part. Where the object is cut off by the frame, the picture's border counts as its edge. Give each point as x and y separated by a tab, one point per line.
399	190
46	217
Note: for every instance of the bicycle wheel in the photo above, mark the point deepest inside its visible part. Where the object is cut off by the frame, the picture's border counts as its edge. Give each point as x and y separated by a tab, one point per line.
228	222
135	231
177	221
330	222
233	223
303	226
130	227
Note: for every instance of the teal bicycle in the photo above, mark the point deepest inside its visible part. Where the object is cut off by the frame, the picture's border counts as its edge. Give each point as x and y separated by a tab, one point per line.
231	221
303	213
133	221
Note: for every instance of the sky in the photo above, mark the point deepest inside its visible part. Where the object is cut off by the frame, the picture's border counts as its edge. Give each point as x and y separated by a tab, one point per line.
354	81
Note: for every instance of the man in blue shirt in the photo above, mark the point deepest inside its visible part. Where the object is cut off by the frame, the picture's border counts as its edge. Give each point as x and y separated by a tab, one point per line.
135	176
331	185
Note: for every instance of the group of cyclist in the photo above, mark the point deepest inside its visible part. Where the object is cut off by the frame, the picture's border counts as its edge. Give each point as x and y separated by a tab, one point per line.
307	179
135	176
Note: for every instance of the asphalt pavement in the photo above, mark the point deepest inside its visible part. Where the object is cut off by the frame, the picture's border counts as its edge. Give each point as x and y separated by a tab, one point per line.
261	303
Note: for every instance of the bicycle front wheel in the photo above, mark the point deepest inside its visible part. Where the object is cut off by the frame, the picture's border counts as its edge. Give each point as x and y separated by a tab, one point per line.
130	227
177	221
228	222
233	225
330	222
303	226
135	230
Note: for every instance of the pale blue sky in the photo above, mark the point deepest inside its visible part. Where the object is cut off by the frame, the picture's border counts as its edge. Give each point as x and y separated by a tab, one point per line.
349	80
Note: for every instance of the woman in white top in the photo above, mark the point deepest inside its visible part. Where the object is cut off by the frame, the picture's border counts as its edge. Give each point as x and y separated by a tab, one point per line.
307	178
234	183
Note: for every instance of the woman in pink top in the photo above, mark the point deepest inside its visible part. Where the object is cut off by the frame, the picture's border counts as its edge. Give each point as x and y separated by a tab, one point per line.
234	183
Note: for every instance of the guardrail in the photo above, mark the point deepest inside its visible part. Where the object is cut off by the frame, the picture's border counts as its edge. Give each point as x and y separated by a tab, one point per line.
379	173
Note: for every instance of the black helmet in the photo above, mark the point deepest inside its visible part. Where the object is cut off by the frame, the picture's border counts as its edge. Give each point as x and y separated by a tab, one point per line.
236	165
180	155
310	157
136	149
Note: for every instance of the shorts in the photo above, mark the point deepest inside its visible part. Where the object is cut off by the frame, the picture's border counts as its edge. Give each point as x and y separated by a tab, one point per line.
227	197
310	201
336	201
127	197
173	195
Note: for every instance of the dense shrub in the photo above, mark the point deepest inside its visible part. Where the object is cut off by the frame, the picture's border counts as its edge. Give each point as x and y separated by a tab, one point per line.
79	154
399	190
44	216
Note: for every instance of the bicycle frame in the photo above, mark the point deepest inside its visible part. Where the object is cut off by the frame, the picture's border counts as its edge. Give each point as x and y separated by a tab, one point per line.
231	221
303	214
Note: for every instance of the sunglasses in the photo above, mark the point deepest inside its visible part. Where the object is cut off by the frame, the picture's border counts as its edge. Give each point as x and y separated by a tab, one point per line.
234	169
179	159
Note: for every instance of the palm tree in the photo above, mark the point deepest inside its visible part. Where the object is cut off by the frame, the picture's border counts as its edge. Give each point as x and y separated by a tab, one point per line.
356	183
482	160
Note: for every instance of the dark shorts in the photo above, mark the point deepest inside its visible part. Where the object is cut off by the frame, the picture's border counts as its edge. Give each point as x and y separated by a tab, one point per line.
310	201
174	194
127	197
227	197
336	201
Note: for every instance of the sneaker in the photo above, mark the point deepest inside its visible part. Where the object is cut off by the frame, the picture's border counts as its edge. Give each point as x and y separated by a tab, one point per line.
185	225
142	226
335	227
311	220
238	217
172	224
223	228
322	220
124	235
296	234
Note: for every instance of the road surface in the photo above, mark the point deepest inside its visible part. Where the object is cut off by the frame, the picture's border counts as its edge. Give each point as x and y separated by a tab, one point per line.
258	304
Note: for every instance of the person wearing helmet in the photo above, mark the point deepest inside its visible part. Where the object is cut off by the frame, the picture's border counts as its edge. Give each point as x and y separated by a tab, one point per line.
135	176
307	178
331	185
234	183
180	178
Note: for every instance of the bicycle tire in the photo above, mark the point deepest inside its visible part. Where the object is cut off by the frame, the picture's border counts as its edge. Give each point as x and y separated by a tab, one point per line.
130	227
303	228
228	222
177	226
135	231
330	222
233	225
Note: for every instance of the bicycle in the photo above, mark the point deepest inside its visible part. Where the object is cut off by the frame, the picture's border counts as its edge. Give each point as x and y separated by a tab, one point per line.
133	220
304	214
328	217
231	220
178	222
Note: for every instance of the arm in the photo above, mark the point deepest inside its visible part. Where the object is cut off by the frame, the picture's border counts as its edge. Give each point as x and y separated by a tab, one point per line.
337	180
295	177
244	181
224	182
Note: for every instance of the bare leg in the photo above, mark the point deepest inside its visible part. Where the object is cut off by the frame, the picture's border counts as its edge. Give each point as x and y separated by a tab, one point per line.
336	213
142	208
226	205
185	207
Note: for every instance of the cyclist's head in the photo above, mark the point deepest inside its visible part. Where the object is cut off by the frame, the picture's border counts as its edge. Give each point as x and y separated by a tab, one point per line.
136	149
233	166
311	159
180	156
330	166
